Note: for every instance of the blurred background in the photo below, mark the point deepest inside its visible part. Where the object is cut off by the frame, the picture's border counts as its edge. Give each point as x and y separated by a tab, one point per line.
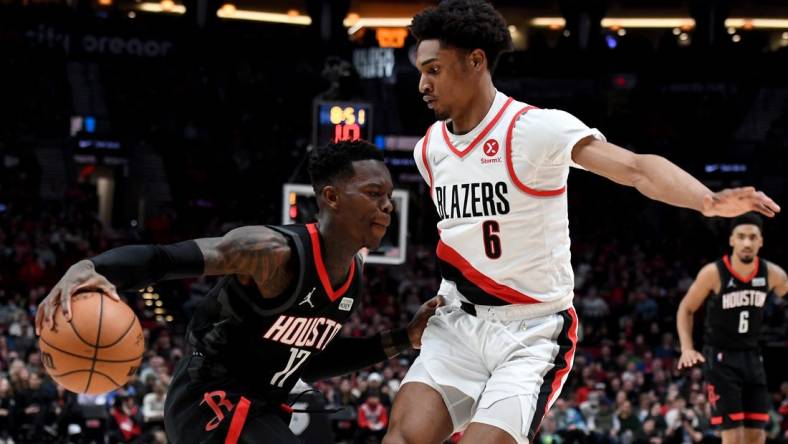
126	121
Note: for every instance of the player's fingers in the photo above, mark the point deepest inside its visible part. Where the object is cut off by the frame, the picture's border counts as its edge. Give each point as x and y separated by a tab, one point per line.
65	306
39	319
49	316
761	203
107	288
49	307
113	293
768	202
701	358
763	209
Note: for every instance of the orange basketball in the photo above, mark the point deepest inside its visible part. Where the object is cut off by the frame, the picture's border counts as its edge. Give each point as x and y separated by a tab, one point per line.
99	350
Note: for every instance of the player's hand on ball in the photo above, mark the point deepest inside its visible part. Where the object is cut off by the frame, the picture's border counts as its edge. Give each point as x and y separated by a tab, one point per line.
689	358
81	276
419	322
732	202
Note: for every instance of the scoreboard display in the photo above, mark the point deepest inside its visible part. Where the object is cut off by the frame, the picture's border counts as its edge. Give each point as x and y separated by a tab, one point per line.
337	121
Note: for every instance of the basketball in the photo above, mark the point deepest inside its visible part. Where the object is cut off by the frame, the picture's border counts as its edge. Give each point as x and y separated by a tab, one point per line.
99	350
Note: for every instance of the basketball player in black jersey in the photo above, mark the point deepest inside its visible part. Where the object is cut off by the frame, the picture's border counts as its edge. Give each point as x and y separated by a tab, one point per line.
734	289
275	316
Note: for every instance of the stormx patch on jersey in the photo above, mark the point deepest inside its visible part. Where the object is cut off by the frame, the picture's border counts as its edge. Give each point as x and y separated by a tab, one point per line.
346	304
759	282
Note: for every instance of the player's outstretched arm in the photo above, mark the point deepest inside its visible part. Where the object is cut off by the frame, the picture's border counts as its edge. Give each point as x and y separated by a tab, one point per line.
255	251
658	178
347	354
698	292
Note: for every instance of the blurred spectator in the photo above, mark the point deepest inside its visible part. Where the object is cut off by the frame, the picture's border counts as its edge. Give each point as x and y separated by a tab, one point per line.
34	406
373	419
66	410
629	424
126	424
153	405
568	421
549	431
7	410
374	381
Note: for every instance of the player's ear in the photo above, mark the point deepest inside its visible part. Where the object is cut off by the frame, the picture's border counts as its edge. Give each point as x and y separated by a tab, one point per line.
477	59
330	195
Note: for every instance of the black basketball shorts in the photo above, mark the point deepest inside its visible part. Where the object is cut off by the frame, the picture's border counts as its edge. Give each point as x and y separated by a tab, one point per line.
218	410
736	388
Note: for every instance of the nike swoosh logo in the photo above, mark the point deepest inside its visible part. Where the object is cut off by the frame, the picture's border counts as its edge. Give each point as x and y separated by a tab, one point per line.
438	158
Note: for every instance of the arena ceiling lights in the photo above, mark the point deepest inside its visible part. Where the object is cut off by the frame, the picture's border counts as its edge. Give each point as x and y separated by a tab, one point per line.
354	22
165	6
664	22
228	12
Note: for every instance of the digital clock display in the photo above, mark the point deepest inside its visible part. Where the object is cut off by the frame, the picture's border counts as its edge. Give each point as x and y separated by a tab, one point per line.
337	121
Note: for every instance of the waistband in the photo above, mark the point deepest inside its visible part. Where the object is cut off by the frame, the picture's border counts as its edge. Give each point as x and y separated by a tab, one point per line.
517	312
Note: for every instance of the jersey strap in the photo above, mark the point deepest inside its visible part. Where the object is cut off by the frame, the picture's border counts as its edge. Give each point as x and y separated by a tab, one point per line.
425	158
321	267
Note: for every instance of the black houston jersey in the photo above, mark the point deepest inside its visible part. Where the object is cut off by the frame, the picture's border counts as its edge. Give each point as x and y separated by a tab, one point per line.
735	315
265	343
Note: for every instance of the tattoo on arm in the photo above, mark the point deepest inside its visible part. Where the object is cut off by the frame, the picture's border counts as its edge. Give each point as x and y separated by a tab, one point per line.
254	250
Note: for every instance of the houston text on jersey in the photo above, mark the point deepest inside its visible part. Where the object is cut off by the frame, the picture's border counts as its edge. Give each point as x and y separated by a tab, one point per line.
744	298
314	333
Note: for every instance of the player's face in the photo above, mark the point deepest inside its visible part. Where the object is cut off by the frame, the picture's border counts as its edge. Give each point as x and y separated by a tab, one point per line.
446	82
746	241
366	204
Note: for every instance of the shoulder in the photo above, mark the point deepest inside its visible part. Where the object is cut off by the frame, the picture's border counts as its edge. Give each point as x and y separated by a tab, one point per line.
708	277
259	239
709	271
427	135
258	235
548	127
544	118
774	272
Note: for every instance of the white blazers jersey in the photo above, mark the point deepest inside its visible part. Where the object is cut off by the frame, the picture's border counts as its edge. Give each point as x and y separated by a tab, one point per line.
500	192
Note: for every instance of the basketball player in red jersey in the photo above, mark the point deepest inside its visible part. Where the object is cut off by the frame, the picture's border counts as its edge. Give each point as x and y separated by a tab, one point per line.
494	359
276	315
734	289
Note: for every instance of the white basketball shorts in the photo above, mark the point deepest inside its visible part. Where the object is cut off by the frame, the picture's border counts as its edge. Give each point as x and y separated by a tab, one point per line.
503	373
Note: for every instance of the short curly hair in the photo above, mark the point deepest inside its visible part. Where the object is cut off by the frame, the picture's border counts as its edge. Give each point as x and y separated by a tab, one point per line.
334	162
465	24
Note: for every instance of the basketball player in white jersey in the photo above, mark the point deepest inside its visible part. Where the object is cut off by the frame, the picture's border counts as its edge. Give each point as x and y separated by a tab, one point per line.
494	359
